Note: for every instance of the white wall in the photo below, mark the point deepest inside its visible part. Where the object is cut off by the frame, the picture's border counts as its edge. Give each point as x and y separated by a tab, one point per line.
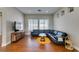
37	16
69	23
8	16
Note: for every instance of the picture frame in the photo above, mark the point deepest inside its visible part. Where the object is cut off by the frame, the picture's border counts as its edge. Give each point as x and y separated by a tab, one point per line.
62	12
70	9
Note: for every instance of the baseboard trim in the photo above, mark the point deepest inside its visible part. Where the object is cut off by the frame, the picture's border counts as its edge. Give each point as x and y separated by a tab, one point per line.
6	44
77	48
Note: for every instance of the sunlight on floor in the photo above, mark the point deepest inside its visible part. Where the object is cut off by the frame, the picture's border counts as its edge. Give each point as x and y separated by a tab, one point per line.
47	40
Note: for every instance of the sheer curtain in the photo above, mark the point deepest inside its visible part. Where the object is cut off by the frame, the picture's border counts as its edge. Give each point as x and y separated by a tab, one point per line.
38	22
43	24
32	24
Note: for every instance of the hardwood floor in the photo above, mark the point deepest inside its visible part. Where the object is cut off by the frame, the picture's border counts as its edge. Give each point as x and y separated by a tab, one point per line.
30	45
0	39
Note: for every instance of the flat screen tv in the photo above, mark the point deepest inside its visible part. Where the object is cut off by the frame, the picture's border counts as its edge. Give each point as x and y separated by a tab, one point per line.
16	26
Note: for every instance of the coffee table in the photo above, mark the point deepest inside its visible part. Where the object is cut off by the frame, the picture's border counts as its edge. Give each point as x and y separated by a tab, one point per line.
42	35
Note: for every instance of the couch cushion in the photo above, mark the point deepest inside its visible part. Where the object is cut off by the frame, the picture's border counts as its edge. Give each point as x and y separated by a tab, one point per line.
55	32
41	31
51	31
46	31
59	34
60	39
36	31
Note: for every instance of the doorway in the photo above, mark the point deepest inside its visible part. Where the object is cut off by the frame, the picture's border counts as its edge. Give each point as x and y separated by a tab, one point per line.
0	28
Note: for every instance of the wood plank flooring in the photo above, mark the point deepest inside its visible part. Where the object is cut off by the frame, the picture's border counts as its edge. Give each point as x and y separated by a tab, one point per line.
0	39
28	44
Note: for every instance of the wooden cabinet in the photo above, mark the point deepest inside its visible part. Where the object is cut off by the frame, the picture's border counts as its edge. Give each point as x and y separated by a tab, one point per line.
15	36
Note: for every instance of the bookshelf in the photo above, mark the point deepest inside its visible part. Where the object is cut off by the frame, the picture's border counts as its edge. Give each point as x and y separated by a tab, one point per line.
68	43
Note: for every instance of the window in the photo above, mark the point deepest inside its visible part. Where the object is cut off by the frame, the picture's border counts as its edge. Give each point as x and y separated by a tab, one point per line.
43	24
32	24
37	24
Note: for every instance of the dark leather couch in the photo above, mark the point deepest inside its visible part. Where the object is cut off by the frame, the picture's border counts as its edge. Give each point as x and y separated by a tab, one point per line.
36	32
52	34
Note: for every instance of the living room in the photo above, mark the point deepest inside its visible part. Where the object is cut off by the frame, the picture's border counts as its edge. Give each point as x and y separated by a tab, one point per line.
51	22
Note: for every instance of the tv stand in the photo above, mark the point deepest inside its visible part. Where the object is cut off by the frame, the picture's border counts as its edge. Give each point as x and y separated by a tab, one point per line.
15	36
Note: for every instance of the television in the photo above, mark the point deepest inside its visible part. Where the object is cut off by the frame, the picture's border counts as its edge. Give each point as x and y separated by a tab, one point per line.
16	26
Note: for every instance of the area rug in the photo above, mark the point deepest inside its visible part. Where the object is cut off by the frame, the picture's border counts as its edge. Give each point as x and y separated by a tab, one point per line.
47	40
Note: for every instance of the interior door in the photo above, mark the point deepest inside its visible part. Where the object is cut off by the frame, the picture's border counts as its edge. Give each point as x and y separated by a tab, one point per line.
0	29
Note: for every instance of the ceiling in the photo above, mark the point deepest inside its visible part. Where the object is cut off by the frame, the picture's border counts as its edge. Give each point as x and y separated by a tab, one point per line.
38	10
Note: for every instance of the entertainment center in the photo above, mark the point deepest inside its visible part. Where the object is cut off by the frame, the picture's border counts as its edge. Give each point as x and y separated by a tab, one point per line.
18	32
15	36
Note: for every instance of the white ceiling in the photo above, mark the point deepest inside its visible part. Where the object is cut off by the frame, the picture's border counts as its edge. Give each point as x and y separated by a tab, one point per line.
34	10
